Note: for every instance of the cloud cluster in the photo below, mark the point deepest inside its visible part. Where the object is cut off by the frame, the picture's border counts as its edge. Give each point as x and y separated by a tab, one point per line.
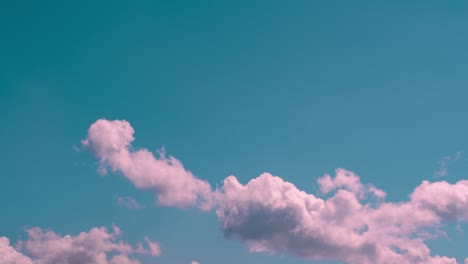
353	223
98	245
272	215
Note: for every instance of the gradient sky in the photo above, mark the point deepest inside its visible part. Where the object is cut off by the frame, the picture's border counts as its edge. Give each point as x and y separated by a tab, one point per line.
293	88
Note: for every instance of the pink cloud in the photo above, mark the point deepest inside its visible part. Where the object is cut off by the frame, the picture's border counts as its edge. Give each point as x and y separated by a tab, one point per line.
449	202
9	255
153	248
94	246
175	186
123	259
348	180
269	214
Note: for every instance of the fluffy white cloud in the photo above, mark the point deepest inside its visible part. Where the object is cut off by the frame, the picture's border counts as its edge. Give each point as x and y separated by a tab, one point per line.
347	180
9	255
95	246
111	142
270	214
353	224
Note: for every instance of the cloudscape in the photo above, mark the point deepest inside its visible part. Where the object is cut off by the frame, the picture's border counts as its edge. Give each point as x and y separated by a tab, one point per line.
206	132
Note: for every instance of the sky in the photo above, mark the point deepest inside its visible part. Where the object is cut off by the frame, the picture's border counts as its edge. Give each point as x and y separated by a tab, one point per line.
233	132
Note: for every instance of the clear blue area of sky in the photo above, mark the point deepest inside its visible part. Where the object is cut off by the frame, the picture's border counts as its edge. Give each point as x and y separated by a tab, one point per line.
295	88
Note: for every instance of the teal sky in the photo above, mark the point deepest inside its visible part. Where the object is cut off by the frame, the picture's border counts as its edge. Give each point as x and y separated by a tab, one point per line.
294	88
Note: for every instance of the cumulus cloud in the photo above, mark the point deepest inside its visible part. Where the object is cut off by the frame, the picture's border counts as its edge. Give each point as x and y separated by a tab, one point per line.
9	255
128	202
175	186
353	223
269	214
348	180
98	245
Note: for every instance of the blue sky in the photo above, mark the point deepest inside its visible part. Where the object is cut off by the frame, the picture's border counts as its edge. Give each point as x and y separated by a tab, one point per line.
295	89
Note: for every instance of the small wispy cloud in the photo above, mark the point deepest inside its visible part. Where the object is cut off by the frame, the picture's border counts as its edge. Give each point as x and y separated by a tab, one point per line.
442	170
129	203
444	163
76	148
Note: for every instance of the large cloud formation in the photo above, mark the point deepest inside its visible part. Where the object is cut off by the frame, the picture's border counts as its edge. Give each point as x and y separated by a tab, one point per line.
98	246
354	224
